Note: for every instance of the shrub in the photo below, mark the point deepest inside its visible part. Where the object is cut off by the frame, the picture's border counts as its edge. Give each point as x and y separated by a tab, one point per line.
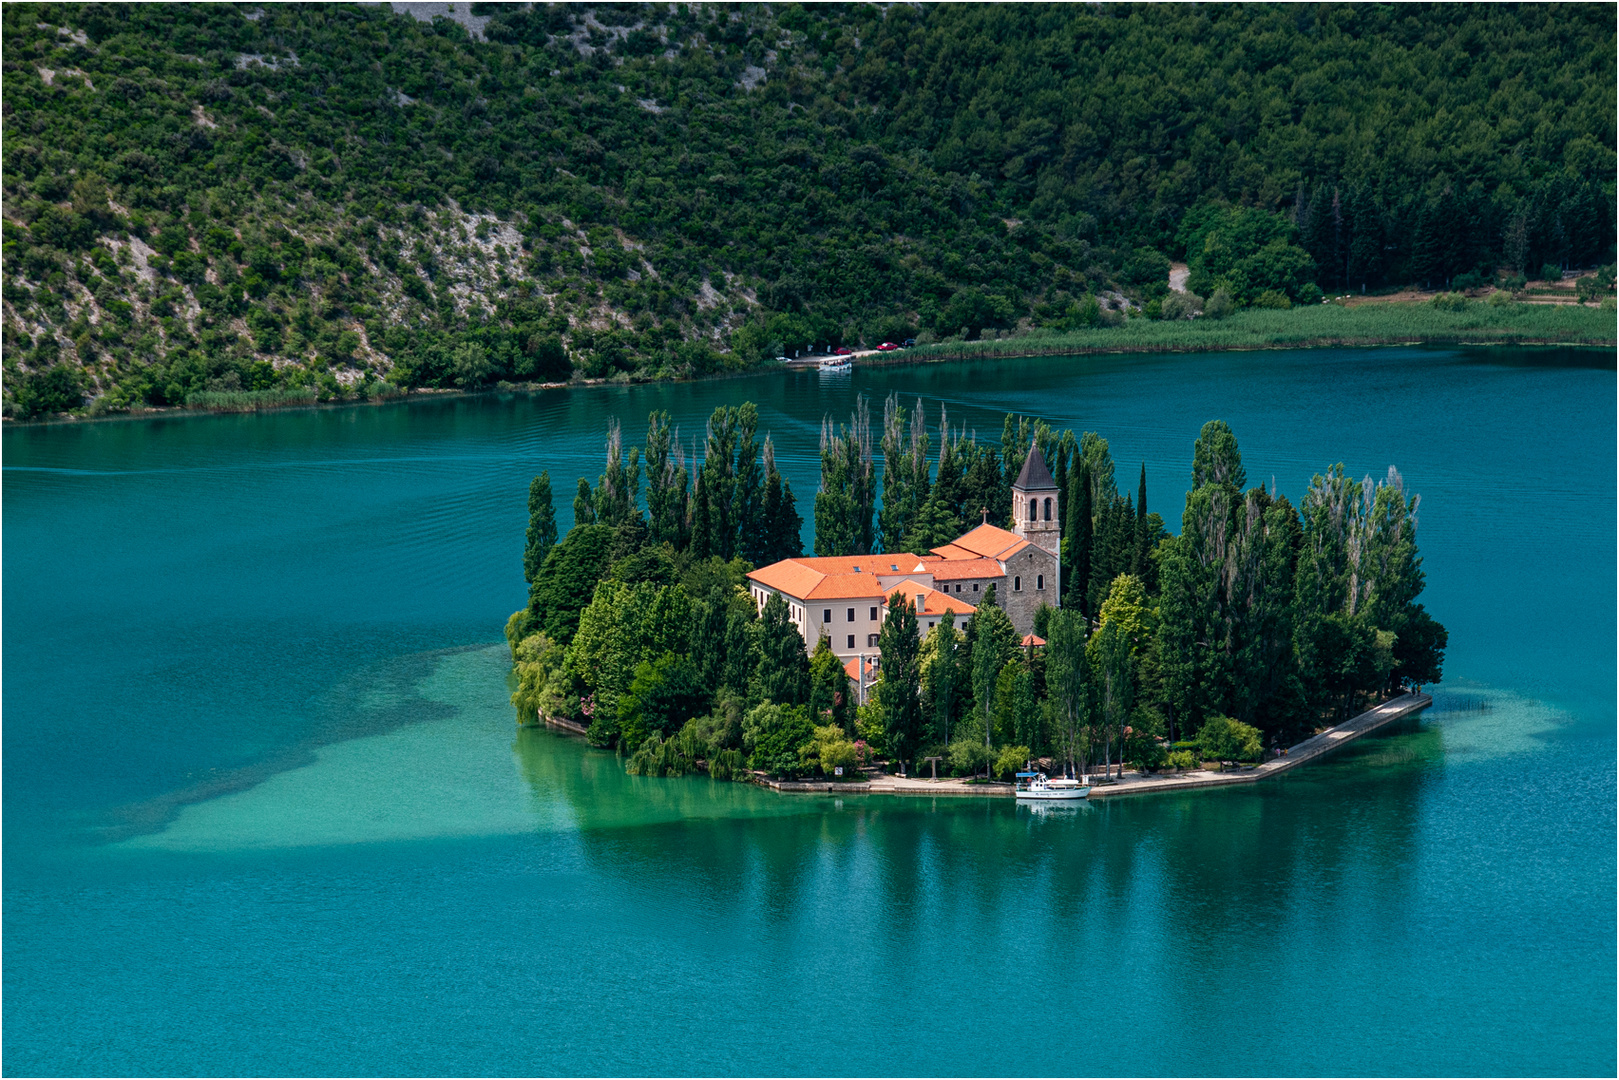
1223	739
968	756
1220	304
1110	318
772	735
1310	293
1270	298
1551	272
1180	306
1499	298
58	388
1450	301
1011	759
1180	760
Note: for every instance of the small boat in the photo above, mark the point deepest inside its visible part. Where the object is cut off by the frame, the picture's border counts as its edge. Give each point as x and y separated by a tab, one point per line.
837	364
1036	786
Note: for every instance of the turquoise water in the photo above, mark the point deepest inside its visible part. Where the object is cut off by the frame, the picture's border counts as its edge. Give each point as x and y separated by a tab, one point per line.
266	811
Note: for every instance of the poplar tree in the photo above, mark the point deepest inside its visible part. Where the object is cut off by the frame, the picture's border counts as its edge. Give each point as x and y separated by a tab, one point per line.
666	482
900	691
779	514
1216	459
942	676
846	502
1068	683
619	487
542	526
584	507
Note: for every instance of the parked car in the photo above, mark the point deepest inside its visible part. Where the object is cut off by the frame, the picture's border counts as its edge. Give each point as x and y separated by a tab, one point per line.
887	346
844	350
908	342
784	360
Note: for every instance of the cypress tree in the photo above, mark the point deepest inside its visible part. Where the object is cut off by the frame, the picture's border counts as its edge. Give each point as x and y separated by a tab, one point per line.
702	534
1139	561
789	526
748	511
542	526
1078	579
900	691
783	670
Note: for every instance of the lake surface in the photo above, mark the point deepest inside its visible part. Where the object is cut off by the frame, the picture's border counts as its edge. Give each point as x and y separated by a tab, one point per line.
266	810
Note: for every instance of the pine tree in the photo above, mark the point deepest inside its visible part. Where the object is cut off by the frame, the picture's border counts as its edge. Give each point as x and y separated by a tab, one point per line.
1216	458
542	526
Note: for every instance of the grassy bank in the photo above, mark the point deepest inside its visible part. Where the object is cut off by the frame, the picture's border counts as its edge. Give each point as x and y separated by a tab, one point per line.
1321	325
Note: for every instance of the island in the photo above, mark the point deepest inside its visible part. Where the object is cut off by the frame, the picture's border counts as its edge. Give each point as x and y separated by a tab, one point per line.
972	605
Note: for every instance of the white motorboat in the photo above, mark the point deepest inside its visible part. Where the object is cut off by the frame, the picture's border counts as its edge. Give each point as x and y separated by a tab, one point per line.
1036	786
837	365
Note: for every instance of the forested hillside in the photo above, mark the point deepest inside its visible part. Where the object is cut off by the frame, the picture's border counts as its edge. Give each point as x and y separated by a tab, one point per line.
209	200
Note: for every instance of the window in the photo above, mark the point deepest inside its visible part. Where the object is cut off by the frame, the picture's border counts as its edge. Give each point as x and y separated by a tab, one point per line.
826	614
1048	509
931	624
1032	514
1017	584
873	615
1040	581
851	641
871	640
851	616
975	586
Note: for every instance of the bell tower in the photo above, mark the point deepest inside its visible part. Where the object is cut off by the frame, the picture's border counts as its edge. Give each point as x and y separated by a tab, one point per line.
1036	506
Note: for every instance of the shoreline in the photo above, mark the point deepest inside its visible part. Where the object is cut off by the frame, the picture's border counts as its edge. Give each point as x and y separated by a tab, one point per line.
1033	346
1312	749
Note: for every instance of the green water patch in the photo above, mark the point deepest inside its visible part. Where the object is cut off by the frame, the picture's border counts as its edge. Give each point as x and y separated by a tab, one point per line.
443	776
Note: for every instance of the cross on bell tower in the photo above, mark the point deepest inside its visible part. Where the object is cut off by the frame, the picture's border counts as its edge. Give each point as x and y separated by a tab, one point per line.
1036	503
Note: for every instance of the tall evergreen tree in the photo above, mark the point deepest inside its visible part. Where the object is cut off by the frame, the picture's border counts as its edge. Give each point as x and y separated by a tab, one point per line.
702	523
943	674
752	530
1077	578
1068	684
995	641
1143	545
542	526
900	690
782	674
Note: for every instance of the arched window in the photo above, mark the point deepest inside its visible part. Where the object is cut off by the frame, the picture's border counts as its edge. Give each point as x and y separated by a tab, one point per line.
1033	513
1017	584
1040	581
1048	509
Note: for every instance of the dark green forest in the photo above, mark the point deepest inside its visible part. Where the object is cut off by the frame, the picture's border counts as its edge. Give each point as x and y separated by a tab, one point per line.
1258	624
212	201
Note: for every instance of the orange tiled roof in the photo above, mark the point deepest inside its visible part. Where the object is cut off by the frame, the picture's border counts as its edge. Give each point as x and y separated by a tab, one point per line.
930	601
947	569
1031	640
839	577
985	542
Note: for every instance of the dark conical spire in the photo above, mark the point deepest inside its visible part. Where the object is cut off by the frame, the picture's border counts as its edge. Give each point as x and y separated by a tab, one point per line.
1035	476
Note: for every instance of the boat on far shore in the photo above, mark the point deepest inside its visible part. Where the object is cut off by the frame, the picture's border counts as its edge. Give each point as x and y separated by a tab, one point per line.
1036	787
837	364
